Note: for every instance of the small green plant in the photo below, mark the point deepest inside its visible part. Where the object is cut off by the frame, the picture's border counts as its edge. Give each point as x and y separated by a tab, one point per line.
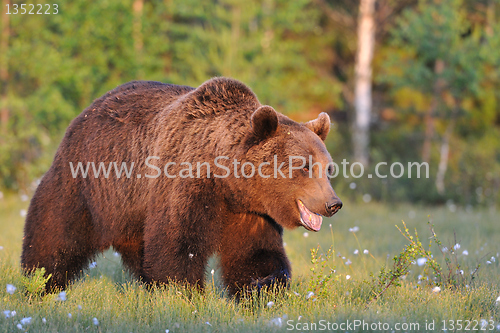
420	251
35	282
322	272
401	266
451	279
454	277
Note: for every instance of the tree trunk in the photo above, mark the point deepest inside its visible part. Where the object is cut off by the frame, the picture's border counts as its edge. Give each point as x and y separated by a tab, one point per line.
363	84
230	68
4	68
429	116
443	159
137	35
490	17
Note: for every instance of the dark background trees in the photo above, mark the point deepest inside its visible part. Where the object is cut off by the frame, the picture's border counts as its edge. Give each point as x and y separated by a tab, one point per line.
434	78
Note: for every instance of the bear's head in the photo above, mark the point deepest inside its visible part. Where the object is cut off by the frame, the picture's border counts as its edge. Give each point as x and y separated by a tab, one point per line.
291	185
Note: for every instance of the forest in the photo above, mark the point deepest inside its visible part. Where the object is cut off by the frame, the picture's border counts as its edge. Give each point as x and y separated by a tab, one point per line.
403	81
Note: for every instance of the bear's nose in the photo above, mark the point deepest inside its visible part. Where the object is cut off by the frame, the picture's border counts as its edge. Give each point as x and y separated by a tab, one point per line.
333	207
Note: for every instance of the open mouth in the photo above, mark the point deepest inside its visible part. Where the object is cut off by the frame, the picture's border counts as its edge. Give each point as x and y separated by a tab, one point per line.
311	221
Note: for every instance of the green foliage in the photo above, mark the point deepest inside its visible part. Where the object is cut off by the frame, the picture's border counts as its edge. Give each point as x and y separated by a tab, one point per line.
34	284
122	304
401	266
292	54
322	272
452	278
462	92
57	64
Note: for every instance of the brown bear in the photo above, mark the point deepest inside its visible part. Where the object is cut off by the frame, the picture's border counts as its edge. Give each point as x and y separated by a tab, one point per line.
186	190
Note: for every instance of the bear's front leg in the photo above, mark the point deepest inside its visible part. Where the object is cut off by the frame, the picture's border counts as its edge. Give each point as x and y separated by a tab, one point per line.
252	254
177	244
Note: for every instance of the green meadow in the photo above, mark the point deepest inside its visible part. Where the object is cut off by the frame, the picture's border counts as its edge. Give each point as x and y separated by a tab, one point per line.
329	291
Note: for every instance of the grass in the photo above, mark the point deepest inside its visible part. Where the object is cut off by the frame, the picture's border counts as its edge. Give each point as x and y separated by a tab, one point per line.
121	304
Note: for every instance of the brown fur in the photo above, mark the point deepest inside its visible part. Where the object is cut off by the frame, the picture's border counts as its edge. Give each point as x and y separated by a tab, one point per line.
167	228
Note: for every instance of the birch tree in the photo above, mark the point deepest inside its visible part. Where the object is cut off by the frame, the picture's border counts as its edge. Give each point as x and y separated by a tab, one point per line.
363	80
4	69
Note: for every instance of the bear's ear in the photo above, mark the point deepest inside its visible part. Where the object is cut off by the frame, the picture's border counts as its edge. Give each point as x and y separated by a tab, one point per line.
320	125
264	122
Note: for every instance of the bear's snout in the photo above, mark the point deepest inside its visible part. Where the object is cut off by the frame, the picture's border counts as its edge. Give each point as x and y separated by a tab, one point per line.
333	206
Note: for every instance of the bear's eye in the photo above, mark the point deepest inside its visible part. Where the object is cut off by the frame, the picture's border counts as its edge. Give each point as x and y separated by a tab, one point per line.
330	170
306	169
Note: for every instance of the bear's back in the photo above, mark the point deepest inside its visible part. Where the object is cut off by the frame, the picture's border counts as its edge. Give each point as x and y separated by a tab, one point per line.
135	101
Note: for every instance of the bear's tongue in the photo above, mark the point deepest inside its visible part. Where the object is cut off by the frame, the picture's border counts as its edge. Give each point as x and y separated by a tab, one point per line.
310	220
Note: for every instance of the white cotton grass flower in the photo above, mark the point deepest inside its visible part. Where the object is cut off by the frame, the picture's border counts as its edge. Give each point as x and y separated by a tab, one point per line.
465	252
20	326
11	288
61	296
497	302
24	198
25	321
445	249
7	314
456	247
44	320
270	304
207	323
421	261
212	272
347	277
278	322
365	251
23	213
191	256
116	254
70	315
356	251
95	321
436	290
309	295
352	186
1	248
493	259
92	265
348	262
305	234
354	229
